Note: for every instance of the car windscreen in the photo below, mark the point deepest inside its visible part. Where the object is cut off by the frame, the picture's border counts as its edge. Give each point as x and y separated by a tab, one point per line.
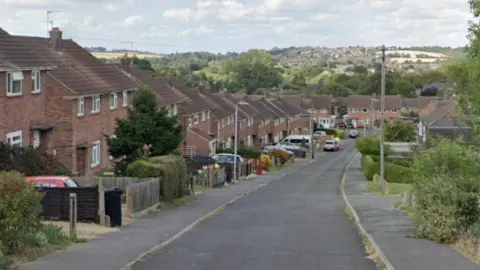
329	142
70	183
299	141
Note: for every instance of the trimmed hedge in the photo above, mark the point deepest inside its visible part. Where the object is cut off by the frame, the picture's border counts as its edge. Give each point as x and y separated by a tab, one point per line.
339	133
393	173
371	146
244	152
171	169
404	162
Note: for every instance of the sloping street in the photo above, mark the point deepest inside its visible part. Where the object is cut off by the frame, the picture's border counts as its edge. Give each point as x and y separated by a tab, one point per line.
297	222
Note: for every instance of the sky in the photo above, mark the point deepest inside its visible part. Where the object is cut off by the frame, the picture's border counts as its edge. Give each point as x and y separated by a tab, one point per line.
166	26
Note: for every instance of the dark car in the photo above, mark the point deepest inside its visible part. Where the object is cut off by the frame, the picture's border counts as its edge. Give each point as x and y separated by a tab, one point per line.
341	125
350	126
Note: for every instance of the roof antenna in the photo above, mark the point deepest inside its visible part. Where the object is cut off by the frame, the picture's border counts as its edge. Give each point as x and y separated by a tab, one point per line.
50	21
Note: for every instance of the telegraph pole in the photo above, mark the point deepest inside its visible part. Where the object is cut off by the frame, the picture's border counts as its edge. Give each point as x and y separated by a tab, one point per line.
382	125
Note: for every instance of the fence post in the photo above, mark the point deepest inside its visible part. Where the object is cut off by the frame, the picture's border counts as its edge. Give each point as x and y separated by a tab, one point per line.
73	215
101	201
192	184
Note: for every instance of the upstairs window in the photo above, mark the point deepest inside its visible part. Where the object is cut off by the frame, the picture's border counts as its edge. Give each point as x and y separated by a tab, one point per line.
36	82
14	84
113	101
96	104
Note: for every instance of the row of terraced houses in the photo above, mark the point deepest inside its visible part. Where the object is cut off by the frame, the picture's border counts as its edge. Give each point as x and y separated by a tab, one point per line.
56	96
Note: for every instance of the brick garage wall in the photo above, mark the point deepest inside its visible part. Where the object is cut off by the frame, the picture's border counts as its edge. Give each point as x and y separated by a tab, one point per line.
21	112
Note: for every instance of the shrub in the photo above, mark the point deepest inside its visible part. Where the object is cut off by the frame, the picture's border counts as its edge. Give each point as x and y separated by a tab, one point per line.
280	155
244	152
400	161
20	209
172	170
370	167
371	146
447	189
400	131
265	162
398	174
339	133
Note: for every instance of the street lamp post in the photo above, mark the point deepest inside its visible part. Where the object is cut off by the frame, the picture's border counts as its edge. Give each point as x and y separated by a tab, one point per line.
312	111
235	144
382	125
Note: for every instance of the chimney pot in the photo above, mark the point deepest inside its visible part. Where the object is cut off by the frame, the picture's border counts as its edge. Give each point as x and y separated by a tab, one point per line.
126	62
56	39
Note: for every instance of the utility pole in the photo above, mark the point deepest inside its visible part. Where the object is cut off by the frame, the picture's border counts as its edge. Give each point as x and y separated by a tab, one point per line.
382	125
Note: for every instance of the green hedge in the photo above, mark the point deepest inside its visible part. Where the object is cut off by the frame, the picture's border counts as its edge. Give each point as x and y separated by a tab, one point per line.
244	152
371	146
171	169
393	173
404	162
339	133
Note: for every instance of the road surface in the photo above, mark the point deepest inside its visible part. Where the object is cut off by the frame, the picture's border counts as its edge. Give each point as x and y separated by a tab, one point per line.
295	223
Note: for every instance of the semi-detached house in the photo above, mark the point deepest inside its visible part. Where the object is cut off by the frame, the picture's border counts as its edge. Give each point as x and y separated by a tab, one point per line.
362	109
82	98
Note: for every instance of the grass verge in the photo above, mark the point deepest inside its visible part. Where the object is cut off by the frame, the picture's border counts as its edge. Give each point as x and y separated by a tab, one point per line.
394	188
175	203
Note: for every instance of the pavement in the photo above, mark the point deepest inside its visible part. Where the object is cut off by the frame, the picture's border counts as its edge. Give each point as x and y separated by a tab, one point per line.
393	230
297	222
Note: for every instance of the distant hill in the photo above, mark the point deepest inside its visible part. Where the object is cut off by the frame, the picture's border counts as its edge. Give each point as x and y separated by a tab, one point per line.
114	55
448	51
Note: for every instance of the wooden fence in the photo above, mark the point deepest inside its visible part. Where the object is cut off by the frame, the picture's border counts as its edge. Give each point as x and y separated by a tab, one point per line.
108	182
56	203
143	195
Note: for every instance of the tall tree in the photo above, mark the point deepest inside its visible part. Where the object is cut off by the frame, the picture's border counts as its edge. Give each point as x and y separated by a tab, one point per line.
336	89
145	124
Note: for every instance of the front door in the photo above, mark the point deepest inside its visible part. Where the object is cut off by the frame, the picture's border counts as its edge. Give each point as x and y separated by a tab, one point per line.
81	161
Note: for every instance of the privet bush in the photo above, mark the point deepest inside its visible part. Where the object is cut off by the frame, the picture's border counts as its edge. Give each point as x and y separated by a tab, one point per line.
447	191
172	170
371	146
20	209
393	173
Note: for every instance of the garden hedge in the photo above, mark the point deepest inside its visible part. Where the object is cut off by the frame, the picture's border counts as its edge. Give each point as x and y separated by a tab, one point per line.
171	169
393	173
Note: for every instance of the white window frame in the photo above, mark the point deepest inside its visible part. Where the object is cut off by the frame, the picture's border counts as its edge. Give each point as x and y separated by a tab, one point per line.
81	106
96	154
175	109
195	119
204	116
229	120
125	98
96	102
36	82
323	110
14	134
10	81
208	114
113	101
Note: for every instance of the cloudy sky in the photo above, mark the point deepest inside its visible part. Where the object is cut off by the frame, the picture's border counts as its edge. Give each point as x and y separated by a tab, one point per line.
237	25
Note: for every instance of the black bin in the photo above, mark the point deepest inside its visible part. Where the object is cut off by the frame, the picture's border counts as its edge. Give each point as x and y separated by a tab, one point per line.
113	206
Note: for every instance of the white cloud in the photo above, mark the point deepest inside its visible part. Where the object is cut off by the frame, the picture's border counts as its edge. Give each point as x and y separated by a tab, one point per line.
134	20
196	31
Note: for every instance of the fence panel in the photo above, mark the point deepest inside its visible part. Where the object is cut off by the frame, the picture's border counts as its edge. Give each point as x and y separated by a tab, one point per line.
56	203
108	182
141	196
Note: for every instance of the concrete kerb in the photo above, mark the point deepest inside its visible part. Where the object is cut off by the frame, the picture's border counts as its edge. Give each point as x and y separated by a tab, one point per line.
162	245
383	259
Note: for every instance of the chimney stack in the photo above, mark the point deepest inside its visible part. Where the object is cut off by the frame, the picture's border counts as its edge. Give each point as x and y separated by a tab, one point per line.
126	62
56	39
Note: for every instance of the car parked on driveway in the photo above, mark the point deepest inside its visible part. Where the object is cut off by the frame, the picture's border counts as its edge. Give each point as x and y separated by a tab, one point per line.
331	145
224	158
52	181
353	134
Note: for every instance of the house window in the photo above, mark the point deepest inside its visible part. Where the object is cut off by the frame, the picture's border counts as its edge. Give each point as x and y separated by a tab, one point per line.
208	114
80	106
36	82
95	104
125	99
95	154
195	119
14	84
113	100
394	110
204	116
15	138
175	109
365	110
323	110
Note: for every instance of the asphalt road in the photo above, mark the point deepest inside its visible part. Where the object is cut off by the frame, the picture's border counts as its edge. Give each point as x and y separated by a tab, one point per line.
297	222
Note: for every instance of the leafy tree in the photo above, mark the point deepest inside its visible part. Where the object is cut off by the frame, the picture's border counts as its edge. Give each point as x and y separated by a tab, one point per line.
145	125
342	110
404	88
336	90
142	63
399	131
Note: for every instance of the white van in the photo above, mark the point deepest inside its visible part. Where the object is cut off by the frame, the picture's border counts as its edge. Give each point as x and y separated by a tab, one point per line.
298	139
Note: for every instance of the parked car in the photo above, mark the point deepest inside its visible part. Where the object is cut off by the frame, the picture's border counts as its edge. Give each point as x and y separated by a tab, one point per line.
224	158
350	126
298	151
52	181
298	139
269	148
353	133
341	125
331	145
288	145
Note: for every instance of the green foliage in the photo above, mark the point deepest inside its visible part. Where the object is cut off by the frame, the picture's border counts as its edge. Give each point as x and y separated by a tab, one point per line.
243	152
400	131
447	189
147	125
171	169
339	133
20	208
336	89
371	146
393	173
370	167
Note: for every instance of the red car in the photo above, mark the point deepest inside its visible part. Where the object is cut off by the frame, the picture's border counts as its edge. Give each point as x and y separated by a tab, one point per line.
51	181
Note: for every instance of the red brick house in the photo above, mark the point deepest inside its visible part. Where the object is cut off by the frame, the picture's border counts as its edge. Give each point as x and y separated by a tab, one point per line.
83	95
362	109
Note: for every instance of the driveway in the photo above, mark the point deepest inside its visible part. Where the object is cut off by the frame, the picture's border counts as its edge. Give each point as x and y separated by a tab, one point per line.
297	222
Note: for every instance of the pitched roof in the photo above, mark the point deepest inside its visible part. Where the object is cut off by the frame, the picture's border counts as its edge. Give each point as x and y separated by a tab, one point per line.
422	101
409	103
247	108
442	115
165	94
259	107
322	102
289	108
364	102
77	69
14	54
